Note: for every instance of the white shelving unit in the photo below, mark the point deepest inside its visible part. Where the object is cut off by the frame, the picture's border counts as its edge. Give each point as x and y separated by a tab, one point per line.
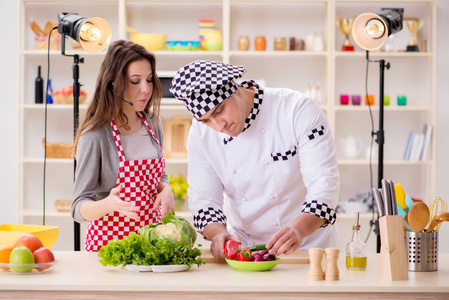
336	72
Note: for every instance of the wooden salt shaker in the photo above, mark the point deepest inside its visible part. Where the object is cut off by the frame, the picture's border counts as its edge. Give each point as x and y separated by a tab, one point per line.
331	272
315	269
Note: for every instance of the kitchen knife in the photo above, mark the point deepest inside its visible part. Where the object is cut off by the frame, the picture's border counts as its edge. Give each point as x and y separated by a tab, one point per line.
394	204
379	202
386	197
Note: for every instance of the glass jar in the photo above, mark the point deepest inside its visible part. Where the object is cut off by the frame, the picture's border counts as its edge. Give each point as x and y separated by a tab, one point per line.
280	44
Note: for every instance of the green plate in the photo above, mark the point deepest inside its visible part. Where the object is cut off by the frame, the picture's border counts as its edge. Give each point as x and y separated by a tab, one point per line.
253	266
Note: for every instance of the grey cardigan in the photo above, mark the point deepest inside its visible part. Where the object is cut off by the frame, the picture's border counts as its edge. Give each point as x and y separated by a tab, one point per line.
97	166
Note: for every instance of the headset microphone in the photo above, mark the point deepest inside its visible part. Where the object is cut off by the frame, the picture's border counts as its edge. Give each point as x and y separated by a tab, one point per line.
111	86
129	102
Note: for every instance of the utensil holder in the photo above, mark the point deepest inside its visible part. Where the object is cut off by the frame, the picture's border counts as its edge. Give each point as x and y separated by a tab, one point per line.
422	251
393	258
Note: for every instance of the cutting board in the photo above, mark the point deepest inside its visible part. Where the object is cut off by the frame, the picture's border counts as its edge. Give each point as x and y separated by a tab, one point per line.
298	257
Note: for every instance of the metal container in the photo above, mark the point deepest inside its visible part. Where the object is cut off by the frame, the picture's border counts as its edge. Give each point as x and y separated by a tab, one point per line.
422	250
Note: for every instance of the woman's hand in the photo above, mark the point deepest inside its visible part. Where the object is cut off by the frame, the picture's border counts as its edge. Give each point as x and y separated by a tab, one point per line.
284	241
121	206
164	198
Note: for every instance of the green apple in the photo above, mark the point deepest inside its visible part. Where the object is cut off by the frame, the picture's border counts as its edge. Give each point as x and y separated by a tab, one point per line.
21	256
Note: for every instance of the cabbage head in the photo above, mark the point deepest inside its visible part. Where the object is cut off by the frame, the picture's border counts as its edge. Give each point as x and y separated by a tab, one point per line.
174	228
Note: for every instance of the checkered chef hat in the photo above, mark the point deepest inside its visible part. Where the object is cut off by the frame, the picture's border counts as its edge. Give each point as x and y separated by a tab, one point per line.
203	84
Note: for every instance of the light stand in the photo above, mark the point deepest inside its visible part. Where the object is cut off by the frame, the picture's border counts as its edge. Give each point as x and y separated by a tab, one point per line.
76	96
370	32
94	35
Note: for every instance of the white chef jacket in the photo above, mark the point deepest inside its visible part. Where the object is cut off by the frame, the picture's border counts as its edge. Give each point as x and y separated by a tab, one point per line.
259	193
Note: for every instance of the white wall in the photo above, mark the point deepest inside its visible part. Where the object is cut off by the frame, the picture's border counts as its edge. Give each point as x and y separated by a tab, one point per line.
8	120
8	103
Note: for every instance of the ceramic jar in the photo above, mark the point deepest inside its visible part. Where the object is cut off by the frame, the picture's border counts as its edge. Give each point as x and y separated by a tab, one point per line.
243	43
260	43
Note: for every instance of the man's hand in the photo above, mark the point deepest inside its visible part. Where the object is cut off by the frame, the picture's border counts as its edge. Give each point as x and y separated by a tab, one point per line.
218	234
284	241
217	245
289	238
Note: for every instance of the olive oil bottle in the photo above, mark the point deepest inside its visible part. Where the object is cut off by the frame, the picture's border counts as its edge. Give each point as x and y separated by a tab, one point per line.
356	250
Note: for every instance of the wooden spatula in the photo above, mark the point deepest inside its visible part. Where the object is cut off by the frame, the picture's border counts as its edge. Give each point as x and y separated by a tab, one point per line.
437	219
418	216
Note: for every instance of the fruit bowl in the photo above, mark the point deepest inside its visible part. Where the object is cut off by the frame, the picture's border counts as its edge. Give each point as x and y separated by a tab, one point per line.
151	41
27	269
252	266
47	234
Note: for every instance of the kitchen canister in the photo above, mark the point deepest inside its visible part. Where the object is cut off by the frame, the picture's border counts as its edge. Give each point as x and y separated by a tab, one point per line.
422	250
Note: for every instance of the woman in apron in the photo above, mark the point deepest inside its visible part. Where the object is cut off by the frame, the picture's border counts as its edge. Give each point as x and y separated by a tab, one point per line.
120	181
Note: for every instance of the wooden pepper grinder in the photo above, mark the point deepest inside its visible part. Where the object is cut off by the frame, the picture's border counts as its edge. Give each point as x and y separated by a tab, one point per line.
331	272
315	269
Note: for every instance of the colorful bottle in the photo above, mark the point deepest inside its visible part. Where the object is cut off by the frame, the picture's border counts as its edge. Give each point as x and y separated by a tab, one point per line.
38	87
49	93
356	250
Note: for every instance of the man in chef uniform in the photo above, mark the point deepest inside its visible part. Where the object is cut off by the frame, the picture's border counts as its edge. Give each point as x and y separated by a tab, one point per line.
262	167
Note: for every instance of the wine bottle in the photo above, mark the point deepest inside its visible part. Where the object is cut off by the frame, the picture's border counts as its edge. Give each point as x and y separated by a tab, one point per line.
39	87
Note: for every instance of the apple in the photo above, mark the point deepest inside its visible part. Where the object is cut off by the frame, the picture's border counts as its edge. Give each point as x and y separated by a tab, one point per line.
43	255
67	90
21	256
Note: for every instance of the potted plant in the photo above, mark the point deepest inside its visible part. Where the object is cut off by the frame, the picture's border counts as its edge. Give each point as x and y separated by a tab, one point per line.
179	188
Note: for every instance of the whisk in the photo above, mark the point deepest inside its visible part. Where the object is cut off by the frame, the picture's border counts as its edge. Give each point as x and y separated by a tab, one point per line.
437	205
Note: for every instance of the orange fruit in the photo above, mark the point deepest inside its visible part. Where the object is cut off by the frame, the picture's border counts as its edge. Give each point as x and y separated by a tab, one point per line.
28	240
5	252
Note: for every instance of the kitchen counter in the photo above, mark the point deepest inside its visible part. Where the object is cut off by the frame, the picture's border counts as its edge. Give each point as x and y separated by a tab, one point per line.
79	275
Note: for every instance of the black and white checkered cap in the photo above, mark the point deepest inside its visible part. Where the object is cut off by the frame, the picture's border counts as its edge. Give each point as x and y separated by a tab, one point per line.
204	84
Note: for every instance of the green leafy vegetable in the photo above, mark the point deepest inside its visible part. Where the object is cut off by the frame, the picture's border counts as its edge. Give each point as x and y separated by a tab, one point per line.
167	243
172	227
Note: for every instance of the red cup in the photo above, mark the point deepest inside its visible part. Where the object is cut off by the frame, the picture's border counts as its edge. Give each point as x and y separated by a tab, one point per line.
344	99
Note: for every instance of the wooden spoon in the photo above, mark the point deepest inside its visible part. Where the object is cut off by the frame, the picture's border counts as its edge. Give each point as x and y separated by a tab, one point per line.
437	219
418	216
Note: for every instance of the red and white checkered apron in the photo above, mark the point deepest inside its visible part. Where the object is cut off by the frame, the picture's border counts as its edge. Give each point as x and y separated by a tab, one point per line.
139	180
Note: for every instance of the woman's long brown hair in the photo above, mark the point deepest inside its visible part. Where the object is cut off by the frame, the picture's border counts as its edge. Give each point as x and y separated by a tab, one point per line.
111	84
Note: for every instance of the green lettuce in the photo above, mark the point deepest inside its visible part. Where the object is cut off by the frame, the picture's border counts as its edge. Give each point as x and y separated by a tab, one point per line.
157	244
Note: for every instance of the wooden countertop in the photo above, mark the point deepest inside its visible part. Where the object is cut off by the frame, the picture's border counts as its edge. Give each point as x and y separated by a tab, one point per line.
80	275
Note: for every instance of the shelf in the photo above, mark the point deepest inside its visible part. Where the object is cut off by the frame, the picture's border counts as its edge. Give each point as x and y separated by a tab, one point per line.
382	54
375	107
52	106
29	160
48	213
397	162
278	53
81	53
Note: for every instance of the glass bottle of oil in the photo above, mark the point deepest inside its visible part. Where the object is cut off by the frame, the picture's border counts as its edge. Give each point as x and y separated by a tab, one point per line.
356	249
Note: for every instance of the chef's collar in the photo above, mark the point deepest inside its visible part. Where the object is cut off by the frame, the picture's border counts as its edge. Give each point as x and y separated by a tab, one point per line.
258	98
203	84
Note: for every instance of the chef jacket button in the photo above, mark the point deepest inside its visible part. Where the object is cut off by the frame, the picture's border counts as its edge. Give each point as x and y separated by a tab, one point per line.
244	199
275	224
267	162
263	130
234	171
272	197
